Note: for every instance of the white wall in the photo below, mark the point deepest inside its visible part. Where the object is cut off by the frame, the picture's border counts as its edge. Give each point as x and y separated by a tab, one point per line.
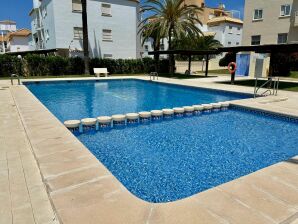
19	44
224	35
60	21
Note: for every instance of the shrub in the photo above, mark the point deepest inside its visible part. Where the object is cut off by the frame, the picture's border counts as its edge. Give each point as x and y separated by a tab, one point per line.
225	61
10	65
76	66
38	65
56	65
280	64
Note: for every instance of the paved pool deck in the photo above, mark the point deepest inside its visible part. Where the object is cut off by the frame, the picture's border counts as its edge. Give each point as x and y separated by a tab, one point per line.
48	176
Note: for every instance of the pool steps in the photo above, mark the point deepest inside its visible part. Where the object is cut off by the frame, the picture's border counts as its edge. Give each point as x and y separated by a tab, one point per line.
131	118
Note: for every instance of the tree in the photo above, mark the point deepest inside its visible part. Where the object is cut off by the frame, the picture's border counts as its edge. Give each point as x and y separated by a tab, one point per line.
172	19
151	32
196	43
85	36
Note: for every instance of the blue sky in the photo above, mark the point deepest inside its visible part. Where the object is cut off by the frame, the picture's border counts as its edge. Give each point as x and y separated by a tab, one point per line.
18	10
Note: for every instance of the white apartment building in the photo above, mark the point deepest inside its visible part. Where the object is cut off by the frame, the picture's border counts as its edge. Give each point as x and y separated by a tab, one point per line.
227	30
19	41
112	27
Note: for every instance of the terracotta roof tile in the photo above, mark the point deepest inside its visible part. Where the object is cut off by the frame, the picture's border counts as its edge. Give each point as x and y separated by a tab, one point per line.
222	19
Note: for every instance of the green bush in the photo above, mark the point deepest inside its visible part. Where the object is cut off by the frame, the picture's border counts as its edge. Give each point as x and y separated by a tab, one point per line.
37	65
76	66
225	61
10	65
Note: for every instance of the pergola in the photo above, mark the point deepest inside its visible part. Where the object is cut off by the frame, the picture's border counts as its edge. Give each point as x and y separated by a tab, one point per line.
270	48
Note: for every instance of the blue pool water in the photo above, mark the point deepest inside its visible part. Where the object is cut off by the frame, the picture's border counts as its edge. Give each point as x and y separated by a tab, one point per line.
173	159
77	100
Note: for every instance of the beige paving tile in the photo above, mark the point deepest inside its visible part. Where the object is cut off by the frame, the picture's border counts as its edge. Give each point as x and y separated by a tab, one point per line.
277	189
235	211
184	211
78	177
23	215
267	205
85	195
114	208
58	168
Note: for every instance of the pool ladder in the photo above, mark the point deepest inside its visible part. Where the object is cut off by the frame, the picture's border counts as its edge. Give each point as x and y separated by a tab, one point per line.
15	76
153	75
272	83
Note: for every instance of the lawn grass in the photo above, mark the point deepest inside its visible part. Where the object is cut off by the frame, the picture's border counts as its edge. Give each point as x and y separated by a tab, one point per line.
217	71
283	85
294	74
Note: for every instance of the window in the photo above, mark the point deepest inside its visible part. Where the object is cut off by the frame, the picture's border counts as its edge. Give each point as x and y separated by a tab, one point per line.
47	35
282	38
146	48
237	43
285	10
78	33
107	35
229	43
76	6
256	40
258	15
106	9
238	30
107	56
162	47
230	29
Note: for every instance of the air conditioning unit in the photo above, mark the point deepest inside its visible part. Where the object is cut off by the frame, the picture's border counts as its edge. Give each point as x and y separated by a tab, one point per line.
296	19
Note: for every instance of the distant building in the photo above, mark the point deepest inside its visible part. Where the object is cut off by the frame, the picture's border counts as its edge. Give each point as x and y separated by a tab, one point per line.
270	22
7	26
18	41
227	30
218	22
112	27
225	25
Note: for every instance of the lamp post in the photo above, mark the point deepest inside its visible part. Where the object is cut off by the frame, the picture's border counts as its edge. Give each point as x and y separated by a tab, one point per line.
20	65
69	54
3	45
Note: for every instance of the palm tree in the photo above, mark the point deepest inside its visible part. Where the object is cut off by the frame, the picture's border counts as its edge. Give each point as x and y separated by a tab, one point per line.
85	36
196	43
172	19
150	32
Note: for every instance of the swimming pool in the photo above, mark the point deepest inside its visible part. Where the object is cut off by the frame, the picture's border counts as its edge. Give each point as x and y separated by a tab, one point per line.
81	99
173	159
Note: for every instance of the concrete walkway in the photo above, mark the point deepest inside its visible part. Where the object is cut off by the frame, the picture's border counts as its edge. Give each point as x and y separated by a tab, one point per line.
82	190
23	196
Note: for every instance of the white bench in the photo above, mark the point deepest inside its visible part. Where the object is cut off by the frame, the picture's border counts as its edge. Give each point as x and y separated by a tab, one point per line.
99	71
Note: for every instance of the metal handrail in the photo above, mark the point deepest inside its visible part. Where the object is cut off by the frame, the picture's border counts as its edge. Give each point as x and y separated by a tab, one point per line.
15	76
269	81
153	74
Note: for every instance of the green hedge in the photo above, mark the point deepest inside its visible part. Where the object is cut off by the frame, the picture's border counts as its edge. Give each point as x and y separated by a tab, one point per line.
36	65
10	65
